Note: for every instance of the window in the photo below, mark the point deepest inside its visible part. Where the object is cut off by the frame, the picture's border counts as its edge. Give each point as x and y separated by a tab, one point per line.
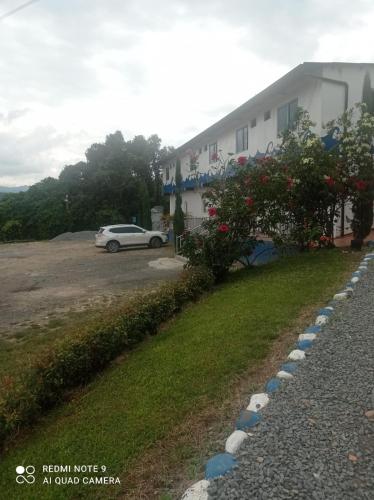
242	139
135	230
200	151
167	173
267	115
253	123
213	153
120	230
286	116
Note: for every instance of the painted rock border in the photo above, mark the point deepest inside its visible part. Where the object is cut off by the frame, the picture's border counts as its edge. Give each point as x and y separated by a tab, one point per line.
223	463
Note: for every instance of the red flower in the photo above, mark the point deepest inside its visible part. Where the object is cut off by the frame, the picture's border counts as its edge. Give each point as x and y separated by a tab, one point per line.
242	160
329	181
361	185
223	228
290	182
264	179
249	201
212	211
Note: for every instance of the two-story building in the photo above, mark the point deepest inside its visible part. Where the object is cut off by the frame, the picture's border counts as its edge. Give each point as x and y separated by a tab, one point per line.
325	90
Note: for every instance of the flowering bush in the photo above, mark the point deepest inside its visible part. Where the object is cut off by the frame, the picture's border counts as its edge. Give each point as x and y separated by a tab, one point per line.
293	197
229	232
355	151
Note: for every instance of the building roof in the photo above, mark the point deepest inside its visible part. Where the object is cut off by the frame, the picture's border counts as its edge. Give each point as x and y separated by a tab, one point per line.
297	74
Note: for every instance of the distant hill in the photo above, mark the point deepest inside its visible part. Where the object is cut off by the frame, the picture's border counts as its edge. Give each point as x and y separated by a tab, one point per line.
5	189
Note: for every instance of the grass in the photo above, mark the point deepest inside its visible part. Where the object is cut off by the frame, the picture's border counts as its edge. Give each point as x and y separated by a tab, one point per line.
190	364
20	348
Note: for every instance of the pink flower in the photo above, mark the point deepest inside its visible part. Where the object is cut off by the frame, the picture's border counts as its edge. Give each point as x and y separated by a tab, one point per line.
223	228
242	160
212	211
290	183
361	185
249	201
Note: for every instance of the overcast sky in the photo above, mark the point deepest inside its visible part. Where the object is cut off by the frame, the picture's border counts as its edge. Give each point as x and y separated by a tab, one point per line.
73	71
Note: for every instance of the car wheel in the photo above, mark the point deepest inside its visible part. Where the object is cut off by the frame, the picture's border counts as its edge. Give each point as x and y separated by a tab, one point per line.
155	242
112	246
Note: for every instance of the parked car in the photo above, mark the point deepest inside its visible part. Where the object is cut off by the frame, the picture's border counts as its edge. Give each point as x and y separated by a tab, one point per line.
127	235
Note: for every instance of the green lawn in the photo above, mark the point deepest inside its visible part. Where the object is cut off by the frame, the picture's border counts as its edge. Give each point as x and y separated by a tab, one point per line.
188	366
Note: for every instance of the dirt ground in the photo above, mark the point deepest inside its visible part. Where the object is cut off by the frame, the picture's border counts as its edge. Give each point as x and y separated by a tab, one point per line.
44	280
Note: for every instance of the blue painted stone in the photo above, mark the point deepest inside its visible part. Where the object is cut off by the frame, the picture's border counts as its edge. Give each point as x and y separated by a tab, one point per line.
289	367
272	385
313	329
247	419
304	344
219	465
357	273
325	312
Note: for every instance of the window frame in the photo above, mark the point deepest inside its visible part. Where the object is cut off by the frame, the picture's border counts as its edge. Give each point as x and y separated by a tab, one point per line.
213	150
241	139
290	112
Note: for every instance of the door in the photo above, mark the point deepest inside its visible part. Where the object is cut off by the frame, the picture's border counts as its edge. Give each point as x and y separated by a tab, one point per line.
138	236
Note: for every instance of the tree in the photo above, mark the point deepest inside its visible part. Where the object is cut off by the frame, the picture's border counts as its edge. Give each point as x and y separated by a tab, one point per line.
144	206
368	94
178	221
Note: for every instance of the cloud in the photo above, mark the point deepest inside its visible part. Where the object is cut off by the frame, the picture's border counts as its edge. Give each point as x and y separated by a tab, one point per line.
78	70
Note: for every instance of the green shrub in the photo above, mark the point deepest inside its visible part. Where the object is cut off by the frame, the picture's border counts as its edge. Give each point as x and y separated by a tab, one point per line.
75	360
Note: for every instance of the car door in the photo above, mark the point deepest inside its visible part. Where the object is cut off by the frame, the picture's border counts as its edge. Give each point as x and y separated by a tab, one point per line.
122	235
139	236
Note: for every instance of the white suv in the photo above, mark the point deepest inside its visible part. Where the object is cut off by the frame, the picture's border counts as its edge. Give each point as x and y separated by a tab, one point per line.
126	235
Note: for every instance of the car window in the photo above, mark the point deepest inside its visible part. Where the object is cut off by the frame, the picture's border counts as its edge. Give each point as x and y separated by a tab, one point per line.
120	230
136	230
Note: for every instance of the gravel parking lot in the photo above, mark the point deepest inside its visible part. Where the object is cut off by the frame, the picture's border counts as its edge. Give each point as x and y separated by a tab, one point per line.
41	279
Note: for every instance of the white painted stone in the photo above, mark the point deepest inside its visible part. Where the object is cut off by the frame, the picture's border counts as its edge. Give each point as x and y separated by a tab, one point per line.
284	375
307	336
341	296
258	401
234	441
355	279
329	307
198	491
296	355
363	269
321	320
348	290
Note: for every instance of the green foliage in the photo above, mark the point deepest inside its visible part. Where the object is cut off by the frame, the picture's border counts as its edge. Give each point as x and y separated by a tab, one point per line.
118	181
178	219
354	151
11	230
368	94
78	358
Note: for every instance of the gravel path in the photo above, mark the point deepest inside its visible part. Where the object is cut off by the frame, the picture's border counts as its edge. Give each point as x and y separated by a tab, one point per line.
315	441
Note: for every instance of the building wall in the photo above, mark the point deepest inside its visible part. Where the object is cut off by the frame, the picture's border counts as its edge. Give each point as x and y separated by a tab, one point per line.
323	100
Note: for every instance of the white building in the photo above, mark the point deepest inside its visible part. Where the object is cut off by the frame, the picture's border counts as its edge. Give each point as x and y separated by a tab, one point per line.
325	90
